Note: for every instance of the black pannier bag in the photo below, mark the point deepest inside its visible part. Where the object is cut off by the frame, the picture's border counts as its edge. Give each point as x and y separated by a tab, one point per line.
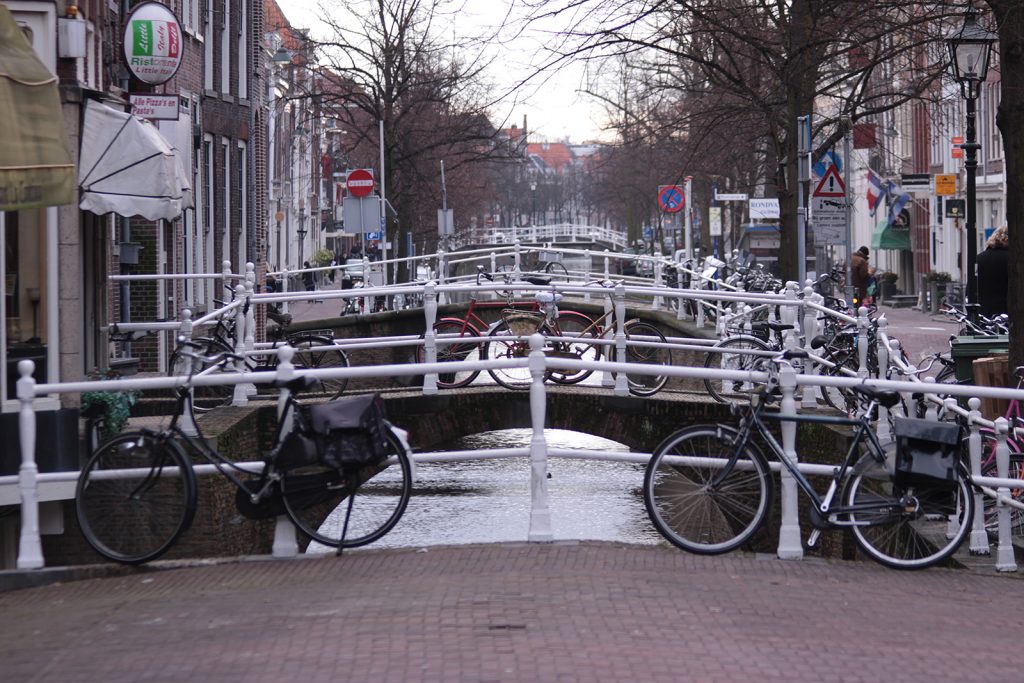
298	449
350	432
926	453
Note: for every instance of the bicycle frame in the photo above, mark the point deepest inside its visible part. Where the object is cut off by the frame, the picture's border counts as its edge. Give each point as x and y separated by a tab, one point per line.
754	419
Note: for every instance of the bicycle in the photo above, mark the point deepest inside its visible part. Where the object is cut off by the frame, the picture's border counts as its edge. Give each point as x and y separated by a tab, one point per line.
137	493
573	335
472	328
708	488
315	349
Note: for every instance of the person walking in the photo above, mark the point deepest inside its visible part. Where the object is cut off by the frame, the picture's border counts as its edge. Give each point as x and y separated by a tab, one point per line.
993	274
307	277
862	274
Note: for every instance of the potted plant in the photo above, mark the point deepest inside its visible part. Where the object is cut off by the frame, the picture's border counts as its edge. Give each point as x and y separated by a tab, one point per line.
108	409
937	281
887	284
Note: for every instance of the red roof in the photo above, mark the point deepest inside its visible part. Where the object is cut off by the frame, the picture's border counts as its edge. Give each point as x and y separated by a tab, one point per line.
555	155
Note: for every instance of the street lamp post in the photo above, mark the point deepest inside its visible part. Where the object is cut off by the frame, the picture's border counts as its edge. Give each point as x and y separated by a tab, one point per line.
969	51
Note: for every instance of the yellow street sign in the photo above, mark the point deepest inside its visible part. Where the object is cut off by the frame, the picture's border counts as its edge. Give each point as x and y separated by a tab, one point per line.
945	184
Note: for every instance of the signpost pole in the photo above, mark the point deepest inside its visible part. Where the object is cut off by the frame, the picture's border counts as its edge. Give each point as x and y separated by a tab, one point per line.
803	125
687	219
847	163
383	208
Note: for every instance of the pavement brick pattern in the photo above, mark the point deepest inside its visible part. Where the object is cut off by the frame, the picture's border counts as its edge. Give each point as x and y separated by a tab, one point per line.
517	612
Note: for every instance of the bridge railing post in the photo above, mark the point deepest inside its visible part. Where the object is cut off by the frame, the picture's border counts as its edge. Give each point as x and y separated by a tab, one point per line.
790	545
586	295
285	544
607	265
658	284
862	342
979	535
187	422
621	385
493	294
680	302
30	546
518	256
540	512
240	397
430	337
284	287
443	267
607	376
882	429
1005	561
250	317
809	397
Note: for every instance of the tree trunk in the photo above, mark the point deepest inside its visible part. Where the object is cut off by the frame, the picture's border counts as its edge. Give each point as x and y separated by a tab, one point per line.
1010	17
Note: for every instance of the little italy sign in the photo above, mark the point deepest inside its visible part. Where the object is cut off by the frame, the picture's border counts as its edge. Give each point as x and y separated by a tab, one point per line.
152	43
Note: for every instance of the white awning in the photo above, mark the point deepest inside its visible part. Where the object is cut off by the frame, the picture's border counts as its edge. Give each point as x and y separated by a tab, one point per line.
128	168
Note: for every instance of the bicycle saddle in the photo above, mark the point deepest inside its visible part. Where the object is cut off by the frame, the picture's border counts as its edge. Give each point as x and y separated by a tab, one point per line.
536	280
548	297
884	397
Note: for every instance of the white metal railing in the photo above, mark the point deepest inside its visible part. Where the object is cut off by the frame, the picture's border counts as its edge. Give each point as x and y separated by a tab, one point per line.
28	480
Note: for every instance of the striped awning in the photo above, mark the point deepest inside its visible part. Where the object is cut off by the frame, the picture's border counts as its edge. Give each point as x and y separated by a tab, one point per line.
36	167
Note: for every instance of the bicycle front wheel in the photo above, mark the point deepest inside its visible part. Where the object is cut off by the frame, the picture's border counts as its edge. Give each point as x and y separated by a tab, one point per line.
641	333
502	343
455	351
318	353
135	497
702	495
317	499
577	331
908	527
734	353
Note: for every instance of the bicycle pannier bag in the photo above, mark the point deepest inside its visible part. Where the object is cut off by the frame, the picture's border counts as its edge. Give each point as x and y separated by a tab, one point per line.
351	432
926	453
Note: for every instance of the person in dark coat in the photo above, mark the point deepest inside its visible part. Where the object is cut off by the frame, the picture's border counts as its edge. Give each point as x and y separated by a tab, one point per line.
993	274
862	273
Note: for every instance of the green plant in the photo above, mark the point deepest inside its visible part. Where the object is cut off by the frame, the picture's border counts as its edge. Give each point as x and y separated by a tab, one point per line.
938	277
888	276
113	408
323	257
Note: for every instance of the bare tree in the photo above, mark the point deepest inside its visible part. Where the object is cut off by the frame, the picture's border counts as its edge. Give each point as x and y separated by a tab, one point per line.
388	63
767	63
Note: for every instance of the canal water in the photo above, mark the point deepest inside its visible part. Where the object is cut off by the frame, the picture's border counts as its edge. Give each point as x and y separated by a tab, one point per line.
488	501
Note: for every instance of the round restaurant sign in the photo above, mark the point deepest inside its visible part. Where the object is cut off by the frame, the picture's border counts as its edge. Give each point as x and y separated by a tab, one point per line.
152	43
359	182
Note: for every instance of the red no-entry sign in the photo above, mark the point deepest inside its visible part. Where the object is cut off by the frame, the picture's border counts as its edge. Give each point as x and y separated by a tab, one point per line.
359	182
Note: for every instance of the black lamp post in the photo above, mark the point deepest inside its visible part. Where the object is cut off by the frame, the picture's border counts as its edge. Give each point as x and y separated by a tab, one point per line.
969	52
301	232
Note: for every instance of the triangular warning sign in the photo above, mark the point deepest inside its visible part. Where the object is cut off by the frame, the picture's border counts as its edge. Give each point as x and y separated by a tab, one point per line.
831	184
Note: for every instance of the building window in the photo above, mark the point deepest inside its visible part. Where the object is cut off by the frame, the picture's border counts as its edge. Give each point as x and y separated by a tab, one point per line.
244	233
228	225
225	48
243	54
208	48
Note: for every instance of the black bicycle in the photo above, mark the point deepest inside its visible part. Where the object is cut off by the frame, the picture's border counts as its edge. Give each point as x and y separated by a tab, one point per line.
137	494
708	488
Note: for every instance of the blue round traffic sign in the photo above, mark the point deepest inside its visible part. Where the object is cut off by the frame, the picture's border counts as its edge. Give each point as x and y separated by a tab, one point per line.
671	198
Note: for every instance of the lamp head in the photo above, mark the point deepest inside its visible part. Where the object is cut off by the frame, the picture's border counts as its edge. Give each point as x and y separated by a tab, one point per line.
970	48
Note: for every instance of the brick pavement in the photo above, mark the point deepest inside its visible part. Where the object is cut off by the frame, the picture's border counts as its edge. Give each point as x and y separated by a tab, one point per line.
517	612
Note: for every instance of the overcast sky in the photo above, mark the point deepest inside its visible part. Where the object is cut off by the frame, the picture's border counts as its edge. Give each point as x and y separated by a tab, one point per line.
554	108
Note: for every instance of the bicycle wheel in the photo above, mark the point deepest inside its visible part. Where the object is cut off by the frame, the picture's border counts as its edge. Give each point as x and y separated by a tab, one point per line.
646	385
734	355
990	469
317	499
501	344
206	397
470	350
316	353
908	527
702	496
574	325
557	272
135	497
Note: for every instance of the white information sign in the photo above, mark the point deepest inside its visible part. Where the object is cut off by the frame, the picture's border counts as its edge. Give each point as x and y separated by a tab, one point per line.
715	221
761	207
162	107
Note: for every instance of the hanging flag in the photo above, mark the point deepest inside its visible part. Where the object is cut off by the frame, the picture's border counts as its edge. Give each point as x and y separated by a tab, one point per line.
876	191
898	199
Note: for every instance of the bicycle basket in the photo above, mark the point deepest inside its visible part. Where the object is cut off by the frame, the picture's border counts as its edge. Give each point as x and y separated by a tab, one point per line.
350	432
926	453
521	323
